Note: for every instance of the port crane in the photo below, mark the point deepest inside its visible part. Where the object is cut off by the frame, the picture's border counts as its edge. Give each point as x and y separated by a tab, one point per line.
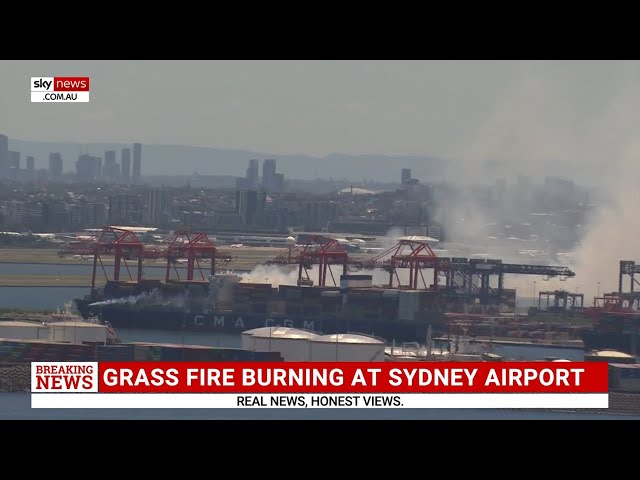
471	277
194	247
625	299
125	246
320	251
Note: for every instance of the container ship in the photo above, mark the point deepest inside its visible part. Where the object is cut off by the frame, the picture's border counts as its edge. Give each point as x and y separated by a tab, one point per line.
225	303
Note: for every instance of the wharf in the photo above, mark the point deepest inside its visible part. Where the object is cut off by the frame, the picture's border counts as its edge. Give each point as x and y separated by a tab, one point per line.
576	345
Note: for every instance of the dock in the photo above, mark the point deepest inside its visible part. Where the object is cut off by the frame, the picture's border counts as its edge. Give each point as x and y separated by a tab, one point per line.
577	345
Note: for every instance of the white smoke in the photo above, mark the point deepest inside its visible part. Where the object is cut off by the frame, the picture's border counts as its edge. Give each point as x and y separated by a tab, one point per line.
153	297
273	274
574	120
614	233
391	237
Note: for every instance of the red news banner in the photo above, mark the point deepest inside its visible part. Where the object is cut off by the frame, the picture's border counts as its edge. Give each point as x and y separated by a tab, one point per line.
319	385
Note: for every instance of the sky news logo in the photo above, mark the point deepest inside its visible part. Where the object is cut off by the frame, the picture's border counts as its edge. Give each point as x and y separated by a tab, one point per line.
60	89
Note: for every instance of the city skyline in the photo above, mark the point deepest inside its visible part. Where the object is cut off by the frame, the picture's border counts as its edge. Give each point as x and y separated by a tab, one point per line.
576	112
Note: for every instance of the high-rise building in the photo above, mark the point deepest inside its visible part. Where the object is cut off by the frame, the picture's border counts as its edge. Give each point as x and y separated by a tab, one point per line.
111	170
406	176
248	203
137	163
89	214
278	183
158	211
318	214
125	209
88	167
125	165
97	167
269	173
14	160
31	163
55	164
253	172
4	154
109	157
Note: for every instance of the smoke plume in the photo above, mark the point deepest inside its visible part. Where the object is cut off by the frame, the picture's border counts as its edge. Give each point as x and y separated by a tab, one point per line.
154	297
579	121
273	274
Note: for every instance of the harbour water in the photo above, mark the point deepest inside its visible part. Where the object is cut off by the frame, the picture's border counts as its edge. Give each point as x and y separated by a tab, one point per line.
38	298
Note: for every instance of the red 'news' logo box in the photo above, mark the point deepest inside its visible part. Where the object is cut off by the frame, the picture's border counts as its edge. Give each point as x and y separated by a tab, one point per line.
60	84
71	84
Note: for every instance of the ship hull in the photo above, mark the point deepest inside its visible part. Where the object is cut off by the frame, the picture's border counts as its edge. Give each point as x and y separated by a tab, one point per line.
229	322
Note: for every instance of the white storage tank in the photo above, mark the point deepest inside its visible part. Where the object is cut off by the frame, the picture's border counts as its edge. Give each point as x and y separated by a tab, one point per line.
77	332
347	347
611	356
23	330
292	343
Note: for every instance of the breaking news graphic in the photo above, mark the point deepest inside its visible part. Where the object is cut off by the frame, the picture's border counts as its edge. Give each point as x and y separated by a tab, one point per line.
415	385
319	240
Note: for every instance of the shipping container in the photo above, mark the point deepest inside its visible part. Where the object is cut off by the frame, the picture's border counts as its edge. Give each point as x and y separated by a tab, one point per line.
258	308
292	308
290	292
276	306
355	281
624	377
114	353
266	357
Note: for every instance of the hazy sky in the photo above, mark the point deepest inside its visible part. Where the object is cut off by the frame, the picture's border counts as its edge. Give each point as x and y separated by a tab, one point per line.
441	108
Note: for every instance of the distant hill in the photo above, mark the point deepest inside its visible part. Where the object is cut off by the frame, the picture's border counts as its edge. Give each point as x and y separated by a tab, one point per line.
186	160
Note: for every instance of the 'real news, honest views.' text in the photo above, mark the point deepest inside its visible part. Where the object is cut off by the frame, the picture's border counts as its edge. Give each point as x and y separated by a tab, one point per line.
60	89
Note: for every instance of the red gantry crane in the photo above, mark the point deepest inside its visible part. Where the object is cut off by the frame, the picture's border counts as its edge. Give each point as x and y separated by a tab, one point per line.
120	242
194	247
125	245
414	254
324	252
319	250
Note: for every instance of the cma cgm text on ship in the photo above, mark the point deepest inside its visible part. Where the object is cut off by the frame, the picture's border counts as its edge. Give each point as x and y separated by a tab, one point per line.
60	89
318	385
